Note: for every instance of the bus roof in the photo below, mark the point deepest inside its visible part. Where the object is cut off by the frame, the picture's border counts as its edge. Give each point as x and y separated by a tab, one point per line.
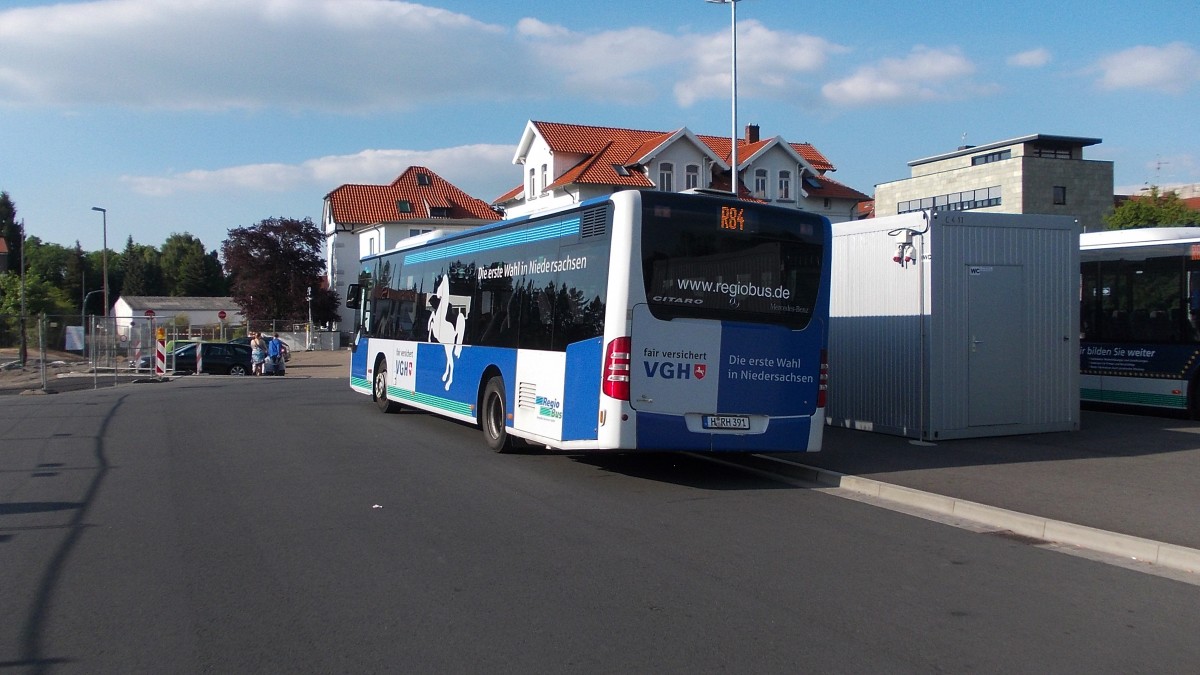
441	236
1142	236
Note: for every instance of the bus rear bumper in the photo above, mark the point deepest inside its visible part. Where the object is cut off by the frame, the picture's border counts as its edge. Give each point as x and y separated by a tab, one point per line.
775	434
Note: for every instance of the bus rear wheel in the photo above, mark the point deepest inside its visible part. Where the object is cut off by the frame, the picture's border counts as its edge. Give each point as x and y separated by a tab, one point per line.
492	416
379	390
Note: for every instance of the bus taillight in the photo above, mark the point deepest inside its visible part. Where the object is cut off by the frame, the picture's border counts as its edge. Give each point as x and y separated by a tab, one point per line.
616	369
823	379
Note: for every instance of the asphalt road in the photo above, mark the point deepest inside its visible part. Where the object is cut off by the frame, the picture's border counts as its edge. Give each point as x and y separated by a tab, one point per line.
232	525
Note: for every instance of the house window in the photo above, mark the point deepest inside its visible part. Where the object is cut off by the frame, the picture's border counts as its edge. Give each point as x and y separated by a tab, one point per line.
760	183
545	183
404	206
828	203
785	185
532	192
439	212
691	177
371	245
1060	194
422	179
666	177
415	231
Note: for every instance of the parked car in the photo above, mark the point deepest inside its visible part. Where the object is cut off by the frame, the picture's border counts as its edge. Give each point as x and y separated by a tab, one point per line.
219	358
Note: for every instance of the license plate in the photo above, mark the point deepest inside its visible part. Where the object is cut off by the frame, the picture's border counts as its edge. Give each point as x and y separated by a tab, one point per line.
726	422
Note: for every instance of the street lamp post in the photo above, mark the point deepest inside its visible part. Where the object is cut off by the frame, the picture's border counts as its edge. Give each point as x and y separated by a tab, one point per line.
308	295
83	318
104	254
733	137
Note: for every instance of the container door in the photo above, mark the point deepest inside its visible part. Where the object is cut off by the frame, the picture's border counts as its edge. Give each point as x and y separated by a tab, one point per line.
996	337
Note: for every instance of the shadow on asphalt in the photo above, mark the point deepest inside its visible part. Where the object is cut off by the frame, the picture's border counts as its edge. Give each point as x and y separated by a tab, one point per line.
682	469
1101	435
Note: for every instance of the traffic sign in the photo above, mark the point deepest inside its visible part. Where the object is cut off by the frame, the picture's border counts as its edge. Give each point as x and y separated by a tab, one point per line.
150	313
221	315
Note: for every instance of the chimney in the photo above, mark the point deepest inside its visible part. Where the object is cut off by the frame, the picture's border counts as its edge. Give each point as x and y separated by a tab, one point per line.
751	133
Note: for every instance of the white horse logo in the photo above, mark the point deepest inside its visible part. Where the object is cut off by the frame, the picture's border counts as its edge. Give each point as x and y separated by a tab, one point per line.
446	332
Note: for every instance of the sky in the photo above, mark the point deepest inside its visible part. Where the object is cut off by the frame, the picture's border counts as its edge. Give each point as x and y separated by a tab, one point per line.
201	116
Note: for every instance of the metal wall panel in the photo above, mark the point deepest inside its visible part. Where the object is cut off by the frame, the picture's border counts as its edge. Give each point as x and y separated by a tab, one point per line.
879	373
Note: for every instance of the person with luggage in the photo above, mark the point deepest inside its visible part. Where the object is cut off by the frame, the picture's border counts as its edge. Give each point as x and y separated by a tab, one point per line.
276	350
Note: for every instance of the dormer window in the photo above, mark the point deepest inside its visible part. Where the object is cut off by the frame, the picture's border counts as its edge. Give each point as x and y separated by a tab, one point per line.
760	183
439	212
666	177
785	185
403	206
422	179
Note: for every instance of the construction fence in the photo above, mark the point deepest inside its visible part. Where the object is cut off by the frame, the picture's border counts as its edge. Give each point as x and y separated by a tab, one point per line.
117	343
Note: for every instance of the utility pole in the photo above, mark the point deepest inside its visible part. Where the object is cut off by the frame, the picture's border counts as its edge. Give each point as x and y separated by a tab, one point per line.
24	345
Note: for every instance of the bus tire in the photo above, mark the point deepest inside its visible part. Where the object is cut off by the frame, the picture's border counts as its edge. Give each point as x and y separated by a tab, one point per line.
493	413
379	390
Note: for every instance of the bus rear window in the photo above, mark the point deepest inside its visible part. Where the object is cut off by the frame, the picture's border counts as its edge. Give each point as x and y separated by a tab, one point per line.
749	263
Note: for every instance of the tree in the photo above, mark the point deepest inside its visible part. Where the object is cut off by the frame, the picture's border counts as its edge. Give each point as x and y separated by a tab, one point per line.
47	262
140	270
75	277
11	230
133	270
1152	210
273	265
188	270
40	296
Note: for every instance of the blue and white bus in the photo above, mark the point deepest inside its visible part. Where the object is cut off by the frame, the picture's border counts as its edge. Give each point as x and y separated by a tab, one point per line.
636	321
1139	340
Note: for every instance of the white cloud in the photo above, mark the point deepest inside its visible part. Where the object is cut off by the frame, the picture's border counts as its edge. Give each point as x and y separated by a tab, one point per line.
222	54
1171	68
473	168
924	74
366	56
770	63
1031	58
630	64
618	65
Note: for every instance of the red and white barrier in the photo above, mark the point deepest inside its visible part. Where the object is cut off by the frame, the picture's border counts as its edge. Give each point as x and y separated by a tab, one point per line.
160	358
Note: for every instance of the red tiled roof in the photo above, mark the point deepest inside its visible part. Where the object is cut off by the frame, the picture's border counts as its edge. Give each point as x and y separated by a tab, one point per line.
814	157
834	190
511	194
3	245
607	148
353	204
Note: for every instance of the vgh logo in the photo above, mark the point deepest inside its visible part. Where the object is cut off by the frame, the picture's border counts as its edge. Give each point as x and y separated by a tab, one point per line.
671	370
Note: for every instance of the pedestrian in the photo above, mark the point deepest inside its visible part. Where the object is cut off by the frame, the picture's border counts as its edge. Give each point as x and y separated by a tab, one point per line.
258	353
275	350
